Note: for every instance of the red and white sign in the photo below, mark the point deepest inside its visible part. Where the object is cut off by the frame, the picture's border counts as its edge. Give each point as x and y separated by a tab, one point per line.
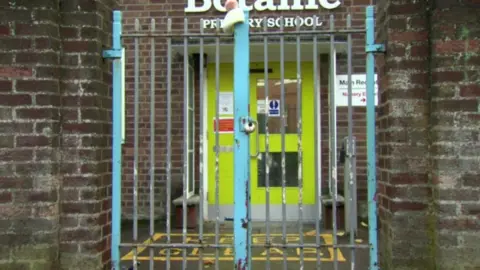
225	125
359	90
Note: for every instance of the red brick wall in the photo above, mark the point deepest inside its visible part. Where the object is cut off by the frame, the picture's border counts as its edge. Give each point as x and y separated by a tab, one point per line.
160	11
428	135
55	131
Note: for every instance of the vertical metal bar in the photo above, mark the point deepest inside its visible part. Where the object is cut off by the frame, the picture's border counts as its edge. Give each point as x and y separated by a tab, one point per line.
267	143
282	130
117	141
349	147
152	139
299	144
135	143
318	145
333	137
200	150
241	56
169	139
217	145
371	155
185	141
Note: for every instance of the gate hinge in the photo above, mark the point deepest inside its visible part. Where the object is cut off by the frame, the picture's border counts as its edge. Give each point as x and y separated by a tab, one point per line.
375	48
112	54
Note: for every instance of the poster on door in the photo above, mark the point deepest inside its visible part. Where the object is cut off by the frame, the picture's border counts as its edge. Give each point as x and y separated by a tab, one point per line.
261	106
359	90
225	102
273	107
225	125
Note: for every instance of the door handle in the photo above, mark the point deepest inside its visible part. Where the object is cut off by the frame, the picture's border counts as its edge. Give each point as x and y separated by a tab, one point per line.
257	145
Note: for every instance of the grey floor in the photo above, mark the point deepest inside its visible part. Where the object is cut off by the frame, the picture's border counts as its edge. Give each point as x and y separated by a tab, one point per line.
259	256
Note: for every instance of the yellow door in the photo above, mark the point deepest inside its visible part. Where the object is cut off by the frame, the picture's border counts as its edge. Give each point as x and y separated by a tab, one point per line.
257	111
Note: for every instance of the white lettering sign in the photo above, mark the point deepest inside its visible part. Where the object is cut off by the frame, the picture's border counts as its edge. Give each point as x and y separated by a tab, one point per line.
359	90
263	5
288	22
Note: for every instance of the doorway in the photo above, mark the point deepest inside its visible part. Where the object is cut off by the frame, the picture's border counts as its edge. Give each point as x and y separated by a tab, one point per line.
223	177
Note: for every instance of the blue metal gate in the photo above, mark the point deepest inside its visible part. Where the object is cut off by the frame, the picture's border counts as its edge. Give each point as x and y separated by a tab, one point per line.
244	125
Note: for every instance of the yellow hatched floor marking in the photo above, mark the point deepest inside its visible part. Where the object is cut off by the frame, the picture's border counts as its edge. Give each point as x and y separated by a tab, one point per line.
228	252
129	256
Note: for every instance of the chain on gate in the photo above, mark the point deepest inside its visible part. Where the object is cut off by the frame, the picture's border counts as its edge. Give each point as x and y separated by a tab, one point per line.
243	126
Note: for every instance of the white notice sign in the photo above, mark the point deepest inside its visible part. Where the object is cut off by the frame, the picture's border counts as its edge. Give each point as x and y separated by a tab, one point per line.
226	103
359	90
274	107
261	106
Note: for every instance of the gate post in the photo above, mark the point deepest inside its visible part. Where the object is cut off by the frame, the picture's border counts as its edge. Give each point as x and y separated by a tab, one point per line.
371	48
242	128
116	53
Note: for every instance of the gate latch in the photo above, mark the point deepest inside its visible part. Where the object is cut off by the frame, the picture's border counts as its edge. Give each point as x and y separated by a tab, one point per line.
248	125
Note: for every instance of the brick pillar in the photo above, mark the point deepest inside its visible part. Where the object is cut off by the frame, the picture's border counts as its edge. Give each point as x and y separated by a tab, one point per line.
30	181
428	135
403	164
54	135
455	132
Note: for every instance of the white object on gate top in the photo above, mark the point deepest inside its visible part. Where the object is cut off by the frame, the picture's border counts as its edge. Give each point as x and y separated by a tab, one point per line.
234	15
